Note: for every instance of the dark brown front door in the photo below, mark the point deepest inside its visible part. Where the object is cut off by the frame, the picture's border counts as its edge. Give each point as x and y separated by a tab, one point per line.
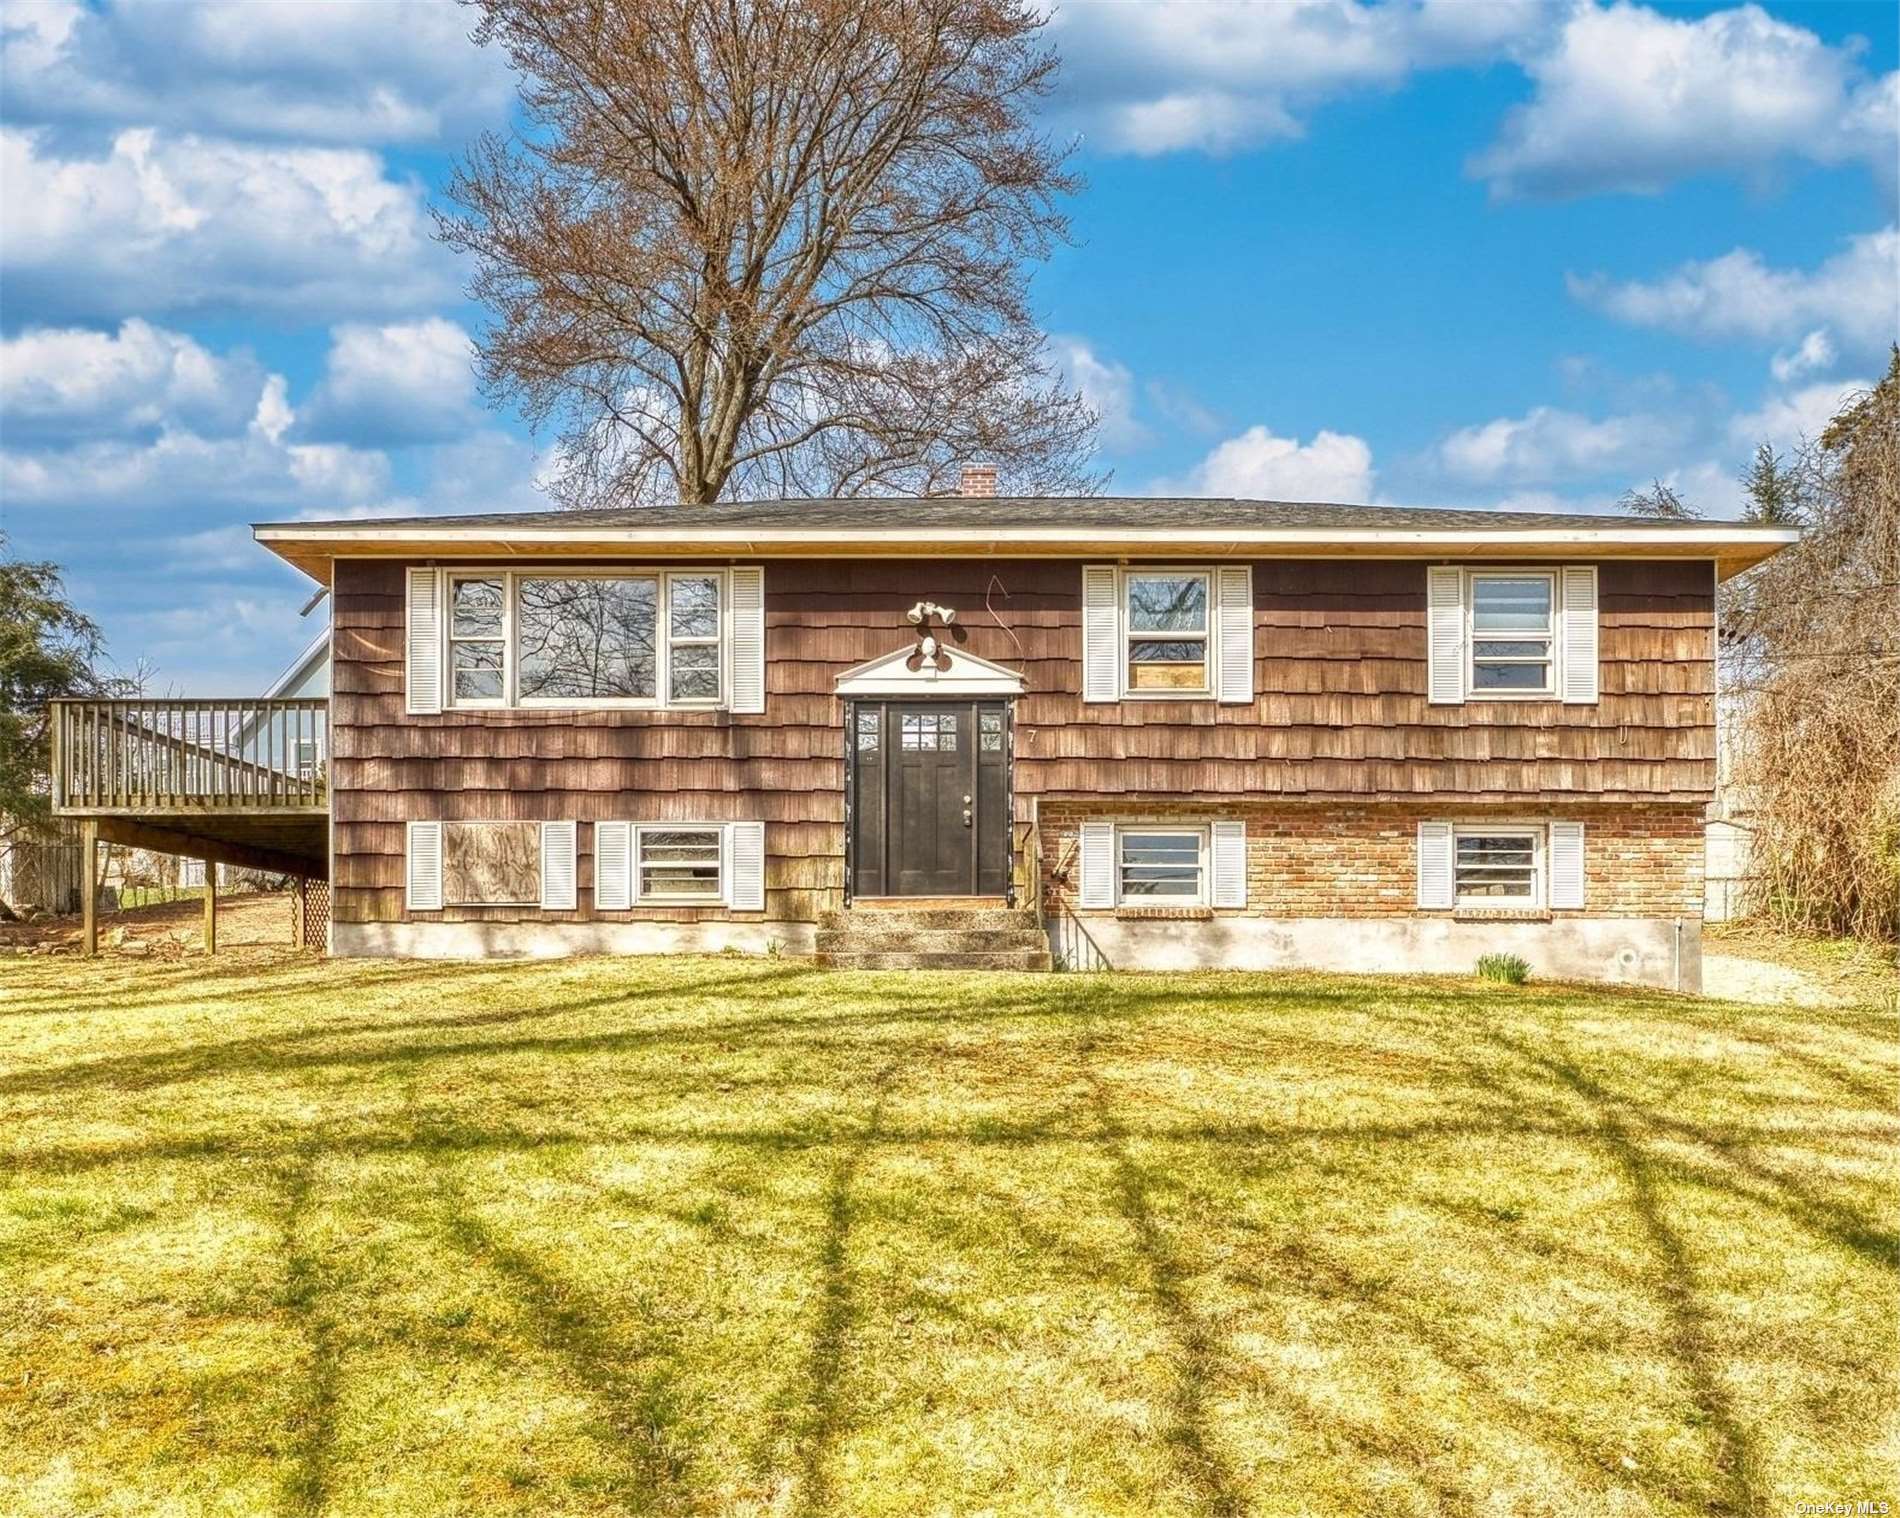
930	798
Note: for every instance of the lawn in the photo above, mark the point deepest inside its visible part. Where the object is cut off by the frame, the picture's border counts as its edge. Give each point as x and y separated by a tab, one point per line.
737	1236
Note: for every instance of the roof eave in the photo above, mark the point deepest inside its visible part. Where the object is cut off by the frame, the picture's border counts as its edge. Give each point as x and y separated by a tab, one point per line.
311	547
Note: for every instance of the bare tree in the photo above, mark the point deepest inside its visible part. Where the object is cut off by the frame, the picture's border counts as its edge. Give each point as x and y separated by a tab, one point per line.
772	247
1811	655
1660	500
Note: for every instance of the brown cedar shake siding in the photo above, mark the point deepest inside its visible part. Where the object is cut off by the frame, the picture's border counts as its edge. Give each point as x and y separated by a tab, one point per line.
1340	715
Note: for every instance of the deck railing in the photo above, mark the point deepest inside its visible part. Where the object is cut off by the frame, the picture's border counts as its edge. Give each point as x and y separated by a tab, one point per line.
191	755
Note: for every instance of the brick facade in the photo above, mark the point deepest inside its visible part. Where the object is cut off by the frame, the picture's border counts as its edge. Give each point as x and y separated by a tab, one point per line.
1326	860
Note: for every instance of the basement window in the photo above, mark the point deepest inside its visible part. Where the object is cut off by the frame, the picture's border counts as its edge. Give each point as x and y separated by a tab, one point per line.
1162	866
1499	867
680	865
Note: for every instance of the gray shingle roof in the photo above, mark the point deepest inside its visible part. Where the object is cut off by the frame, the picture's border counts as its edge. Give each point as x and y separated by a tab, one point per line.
1005	512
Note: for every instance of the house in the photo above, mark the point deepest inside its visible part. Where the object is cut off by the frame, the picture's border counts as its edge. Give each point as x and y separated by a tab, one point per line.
1167	733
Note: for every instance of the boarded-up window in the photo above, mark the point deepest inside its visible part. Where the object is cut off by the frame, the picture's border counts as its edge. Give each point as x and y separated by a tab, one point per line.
491	863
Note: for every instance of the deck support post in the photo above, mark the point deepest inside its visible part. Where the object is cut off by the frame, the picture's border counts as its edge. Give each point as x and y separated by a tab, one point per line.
89	896
211	906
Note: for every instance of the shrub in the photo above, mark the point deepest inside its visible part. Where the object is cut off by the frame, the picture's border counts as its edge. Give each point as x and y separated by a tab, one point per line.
1508	968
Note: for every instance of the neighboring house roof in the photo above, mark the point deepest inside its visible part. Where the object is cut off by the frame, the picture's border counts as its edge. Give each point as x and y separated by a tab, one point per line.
1017	526
299	679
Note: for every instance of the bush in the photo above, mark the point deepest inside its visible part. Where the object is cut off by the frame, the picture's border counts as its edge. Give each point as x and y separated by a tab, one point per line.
1508	968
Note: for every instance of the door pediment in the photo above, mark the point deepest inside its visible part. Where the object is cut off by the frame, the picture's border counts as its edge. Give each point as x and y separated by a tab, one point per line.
952	673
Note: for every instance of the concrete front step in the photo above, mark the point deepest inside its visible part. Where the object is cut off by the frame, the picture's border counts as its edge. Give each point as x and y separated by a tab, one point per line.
899	959
882	919
883	938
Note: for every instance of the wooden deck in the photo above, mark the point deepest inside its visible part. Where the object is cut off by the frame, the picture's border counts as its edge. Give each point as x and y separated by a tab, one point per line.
241	782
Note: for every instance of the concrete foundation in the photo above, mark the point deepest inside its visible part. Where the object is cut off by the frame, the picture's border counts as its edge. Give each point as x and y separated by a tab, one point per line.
1661	952
555	940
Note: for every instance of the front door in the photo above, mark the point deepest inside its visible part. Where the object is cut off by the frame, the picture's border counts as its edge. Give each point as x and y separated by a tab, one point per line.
930	798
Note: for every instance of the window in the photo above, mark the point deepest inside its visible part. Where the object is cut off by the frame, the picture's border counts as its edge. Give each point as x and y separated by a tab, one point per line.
1513	617
306	759
477	638
586	638
1162	866
647	637
1167	631
924	731
679	864
693	638
1499	867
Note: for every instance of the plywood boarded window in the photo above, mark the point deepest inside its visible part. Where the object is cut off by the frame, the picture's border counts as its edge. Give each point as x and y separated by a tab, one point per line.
1167	630
491	863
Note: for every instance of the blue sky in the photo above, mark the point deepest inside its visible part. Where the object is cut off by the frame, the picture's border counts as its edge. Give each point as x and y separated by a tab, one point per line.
1460	252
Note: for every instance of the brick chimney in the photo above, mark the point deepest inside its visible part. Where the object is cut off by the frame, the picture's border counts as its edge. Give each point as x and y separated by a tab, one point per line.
978	480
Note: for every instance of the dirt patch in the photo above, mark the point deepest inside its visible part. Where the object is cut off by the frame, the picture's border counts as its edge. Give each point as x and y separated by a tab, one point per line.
251	921
1745	962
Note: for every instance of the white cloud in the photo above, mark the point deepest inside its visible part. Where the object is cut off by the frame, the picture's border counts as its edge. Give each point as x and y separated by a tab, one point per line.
405	382
1813	353
1158	77
1258	465
1785	419
69	384
1631	99
393	71
162	224
1853	296
184	470
1550	446
1109	389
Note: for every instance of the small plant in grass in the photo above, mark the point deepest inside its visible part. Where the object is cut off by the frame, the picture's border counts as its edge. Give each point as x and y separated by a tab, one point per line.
1508	968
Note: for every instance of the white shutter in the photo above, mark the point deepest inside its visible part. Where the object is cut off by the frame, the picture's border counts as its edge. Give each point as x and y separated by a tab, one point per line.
1579	680
613	866
1445	634
557	867
748	639
1235	621
1101	633
1098	864
745	855
425	867
1436	882
1566	864
1230	864
422	642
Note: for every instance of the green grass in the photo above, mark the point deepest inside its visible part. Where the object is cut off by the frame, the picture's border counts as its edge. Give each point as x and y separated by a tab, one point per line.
741	1237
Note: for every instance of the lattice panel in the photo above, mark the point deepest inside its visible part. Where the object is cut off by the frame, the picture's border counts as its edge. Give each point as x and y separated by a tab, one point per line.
310	915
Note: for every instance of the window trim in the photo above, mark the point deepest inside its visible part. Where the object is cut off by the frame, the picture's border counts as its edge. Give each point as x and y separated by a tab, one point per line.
1210	652
1538	900
512	700
1204	864
722	843
1552	689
